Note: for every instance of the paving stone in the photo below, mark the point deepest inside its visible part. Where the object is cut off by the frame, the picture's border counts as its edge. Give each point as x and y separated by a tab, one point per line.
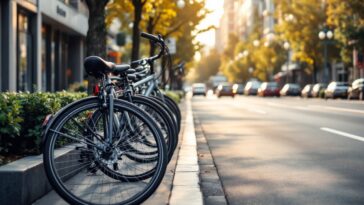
215	200
186	195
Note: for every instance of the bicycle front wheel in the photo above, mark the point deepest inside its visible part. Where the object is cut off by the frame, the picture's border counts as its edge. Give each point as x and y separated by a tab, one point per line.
85	168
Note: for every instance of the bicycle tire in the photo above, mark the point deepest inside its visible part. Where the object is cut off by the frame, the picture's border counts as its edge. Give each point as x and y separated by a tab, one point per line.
63	116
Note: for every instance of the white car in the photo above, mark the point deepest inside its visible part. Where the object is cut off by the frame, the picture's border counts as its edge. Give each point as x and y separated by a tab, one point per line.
199	89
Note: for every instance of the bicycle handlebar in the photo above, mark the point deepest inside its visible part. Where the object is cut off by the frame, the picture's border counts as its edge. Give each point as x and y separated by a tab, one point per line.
150	37
155	39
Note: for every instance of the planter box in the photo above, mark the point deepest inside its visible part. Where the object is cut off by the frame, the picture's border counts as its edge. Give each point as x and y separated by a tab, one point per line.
24	181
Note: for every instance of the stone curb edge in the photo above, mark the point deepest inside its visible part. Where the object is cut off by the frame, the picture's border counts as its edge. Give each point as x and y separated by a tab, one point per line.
210	181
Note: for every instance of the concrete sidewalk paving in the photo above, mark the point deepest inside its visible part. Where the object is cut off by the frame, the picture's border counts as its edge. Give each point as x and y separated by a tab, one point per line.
181	181
186	186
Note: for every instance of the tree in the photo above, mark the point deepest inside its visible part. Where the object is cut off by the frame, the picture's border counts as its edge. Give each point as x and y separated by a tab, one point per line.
300	23
96	34
347	20
163	17
208	66
138	8
152	16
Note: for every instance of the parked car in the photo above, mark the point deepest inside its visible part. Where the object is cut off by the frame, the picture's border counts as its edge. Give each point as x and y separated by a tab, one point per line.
199	89
290	89
336	90
225	89
317	89
239	89
356	91
251	88
269	89
307	91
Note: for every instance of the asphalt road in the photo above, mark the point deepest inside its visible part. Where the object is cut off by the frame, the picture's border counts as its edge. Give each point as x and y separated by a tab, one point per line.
286	150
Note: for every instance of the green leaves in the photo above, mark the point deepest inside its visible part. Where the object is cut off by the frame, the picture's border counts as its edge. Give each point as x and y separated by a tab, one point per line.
21	117
347	19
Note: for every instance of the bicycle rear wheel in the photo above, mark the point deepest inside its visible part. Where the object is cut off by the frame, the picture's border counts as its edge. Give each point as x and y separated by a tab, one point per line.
163	119
84	169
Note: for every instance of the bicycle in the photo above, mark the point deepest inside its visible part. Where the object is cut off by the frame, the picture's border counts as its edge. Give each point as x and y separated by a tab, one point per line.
92	168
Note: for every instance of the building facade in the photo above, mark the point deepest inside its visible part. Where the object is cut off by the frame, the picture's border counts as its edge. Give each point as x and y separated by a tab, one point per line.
240	17
42	44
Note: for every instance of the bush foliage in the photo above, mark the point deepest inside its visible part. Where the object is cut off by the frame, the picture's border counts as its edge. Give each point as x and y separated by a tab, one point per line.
21	118
175	95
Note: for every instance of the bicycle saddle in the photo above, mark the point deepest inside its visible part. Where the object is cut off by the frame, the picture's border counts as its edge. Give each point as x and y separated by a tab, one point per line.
98	67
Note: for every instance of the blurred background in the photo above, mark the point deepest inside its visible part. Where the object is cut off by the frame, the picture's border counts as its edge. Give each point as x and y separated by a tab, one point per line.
44	42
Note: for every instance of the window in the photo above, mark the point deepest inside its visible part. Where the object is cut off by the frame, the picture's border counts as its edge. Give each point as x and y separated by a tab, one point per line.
72	3
24	53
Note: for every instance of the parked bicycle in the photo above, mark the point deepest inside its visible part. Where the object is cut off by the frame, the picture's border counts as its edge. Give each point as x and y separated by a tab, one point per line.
113	148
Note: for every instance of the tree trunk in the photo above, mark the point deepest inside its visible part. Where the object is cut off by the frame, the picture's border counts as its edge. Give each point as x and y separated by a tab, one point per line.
150	29
96	34
138	7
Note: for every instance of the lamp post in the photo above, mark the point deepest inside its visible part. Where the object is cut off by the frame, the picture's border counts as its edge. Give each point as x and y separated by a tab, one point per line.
256	43
181	4
325	35
287	46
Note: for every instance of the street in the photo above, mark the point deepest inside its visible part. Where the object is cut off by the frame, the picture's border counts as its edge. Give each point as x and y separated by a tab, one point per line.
285	150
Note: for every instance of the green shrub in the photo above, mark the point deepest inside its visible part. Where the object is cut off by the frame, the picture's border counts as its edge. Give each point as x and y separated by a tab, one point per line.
78	87
174	95
322	93
10	121
21	118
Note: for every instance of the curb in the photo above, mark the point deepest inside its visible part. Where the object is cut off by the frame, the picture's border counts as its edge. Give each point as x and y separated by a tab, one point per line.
186	184
24	181
211	184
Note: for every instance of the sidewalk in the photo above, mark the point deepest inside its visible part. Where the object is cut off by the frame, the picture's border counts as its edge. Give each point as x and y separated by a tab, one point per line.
186	186
181	181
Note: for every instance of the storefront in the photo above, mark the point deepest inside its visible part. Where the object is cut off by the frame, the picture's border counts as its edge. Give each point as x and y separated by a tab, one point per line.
1	45
64	28
42	44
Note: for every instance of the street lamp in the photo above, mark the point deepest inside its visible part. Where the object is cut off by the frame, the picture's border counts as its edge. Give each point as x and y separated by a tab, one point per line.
245	53
289	17
287	46
326	35
251	70
181	4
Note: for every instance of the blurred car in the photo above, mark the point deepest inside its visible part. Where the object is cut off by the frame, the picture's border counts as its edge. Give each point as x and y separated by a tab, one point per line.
337	90
239	89
356	91
290	89
199	89
225	89
268	89
251	88
317	89
307	91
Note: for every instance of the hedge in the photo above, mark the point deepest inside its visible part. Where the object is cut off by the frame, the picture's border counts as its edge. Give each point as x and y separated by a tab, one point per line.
175	95
21	118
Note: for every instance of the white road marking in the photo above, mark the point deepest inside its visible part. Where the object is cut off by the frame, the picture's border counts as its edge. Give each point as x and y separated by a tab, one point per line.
348	135
257	111
317	106
275	104
341	109
289	106
239	105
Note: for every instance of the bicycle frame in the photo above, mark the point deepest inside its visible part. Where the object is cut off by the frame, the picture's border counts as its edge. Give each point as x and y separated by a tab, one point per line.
152	85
